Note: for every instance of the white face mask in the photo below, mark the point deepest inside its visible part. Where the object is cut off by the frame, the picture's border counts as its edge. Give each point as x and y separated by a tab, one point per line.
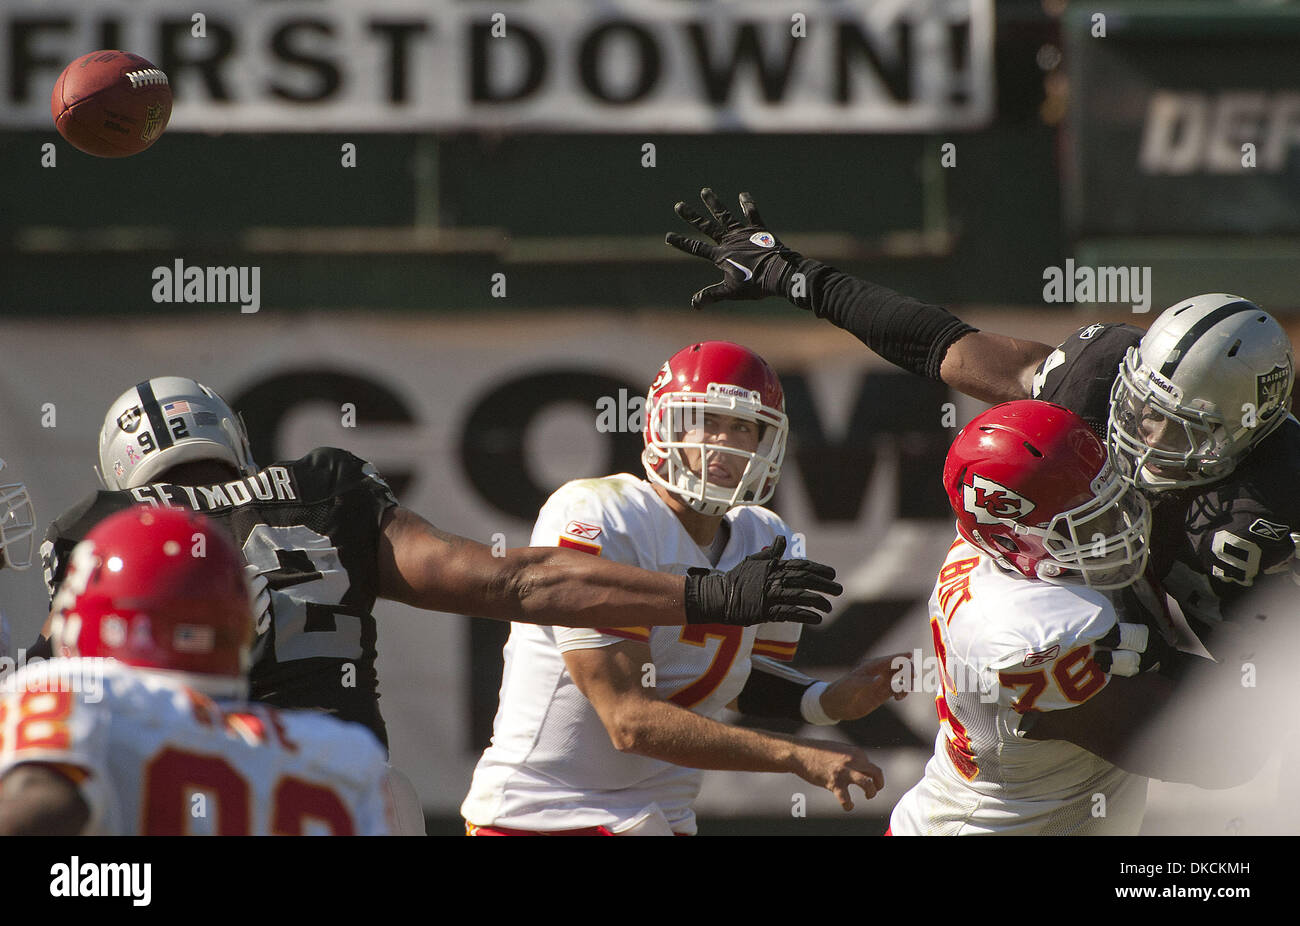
683	430
17	525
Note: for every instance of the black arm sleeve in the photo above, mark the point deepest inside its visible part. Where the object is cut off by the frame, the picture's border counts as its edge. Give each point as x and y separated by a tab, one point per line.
907	332
768	695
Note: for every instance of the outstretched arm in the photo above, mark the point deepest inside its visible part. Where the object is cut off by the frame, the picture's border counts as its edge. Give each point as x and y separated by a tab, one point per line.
639	722
776	690
992	367
920	338
427	568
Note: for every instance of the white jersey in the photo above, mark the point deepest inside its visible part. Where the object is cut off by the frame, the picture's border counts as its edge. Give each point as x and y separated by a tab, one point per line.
1004	645
551	765
151	756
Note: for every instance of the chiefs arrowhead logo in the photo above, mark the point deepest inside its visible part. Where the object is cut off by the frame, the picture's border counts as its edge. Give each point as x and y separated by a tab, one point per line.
992	503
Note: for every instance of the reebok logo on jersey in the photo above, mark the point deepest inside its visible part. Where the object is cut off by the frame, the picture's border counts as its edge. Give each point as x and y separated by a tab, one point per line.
580	529
992	503
1087	334
103	879
1269	530
1037	659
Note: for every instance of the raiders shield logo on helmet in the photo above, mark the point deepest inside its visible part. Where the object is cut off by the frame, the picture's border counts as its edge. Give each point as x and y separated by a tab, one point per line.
1269	388
129	420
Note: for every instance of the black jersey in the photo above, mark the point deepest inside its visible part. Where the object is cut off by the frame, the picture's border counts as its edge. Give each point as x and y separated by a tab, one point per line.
1243	527
1208	543
312	527
1080	373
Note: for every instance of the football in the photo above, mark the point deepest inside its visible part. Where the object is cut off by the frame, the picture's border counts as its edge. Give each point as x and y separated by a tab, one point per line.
111	103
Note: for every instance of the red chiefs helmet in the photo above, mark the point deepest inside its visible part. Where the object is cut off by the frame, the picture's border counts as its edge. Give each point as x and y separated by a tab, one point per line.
161	589
714	377
1031	486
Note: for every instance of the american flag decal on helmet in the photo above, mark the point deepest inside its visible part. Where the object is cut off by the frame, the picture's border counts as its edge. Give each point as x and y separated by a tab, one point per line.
194	638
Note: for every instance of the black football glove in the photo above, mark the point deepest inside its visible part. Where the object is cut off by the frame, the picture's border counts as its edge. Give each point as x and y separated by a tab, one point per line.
753	261
761	588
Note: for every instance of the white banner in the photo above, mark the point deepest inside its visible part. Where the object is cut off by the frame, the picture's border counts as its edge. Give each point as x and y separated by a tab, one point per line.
539	65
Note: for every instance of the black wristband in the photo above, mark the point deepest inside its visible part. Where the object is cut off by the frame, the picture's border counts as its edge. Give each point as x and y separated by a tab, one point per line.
908	333
772	696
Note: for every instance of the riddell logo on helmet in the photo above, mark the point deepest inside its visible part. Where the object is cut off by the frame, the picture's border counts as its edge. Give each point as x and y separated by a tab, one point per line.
992	503
1103	478
735	392
1158	382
